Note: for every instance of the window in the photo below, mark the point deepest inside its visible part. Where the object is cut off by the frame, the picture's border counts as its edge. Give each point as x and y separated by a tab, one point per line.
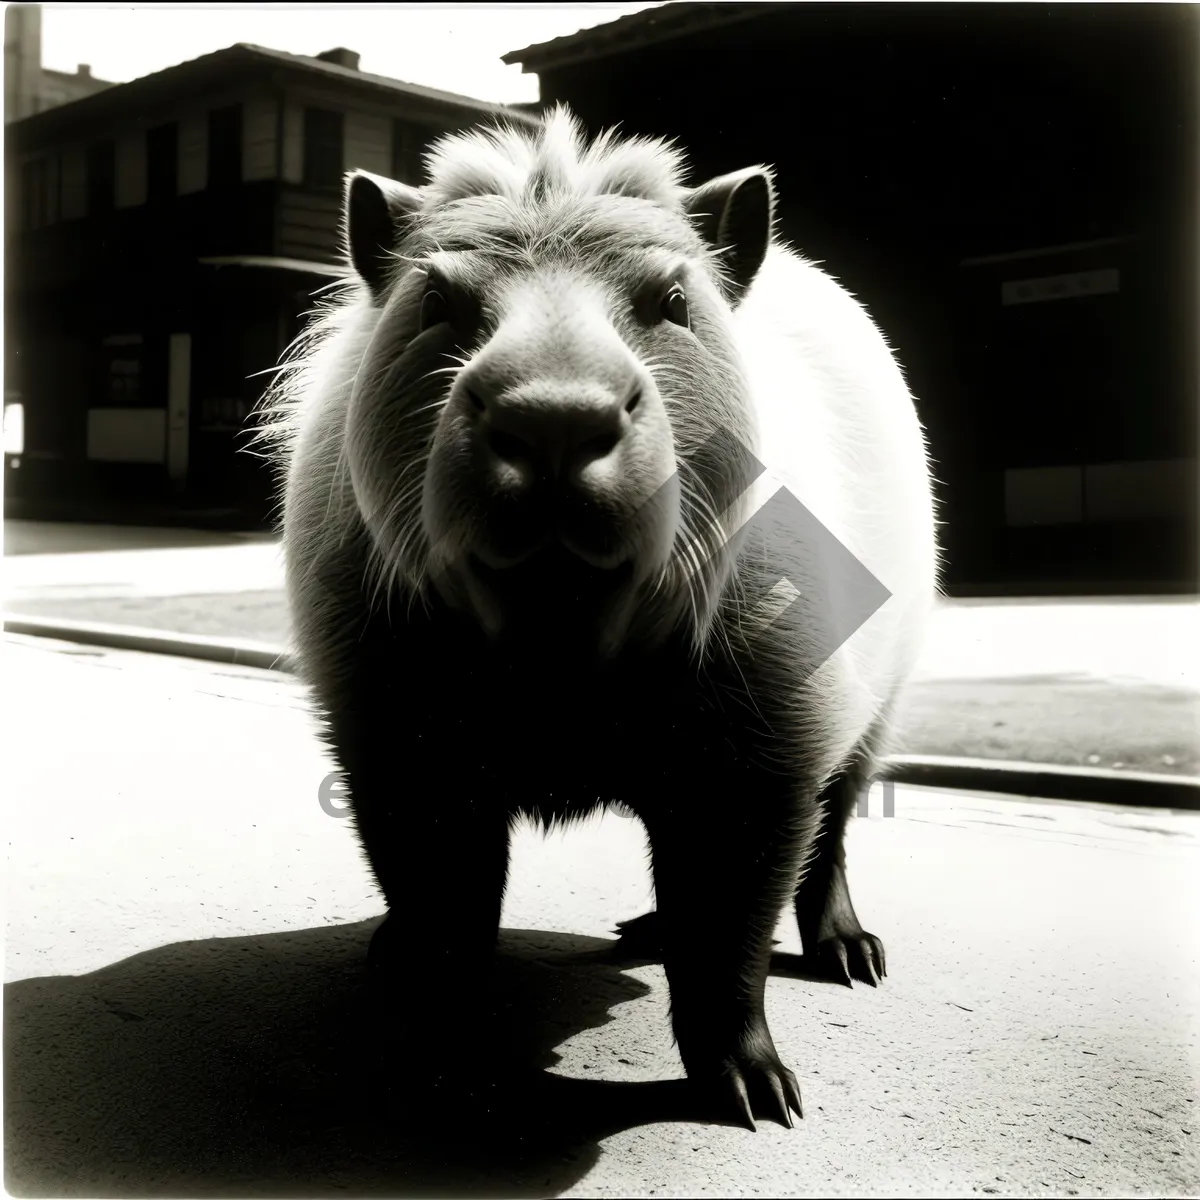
162	162
225	146
35	193
101	177
408	144
323	156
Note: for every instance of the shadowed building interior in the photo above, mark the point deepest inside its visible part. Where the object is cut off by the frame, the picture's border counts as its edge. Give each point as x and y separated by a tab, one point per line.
1011	191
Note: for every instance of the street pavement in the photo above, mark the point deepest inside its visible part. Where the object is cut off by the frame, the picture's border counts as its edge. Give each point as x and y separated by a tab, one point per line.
186	926
104	562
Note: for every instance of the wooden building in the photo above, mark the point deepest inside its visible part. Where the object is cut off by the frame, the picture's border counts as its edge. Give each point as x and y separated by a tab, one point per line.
163	240
1011	189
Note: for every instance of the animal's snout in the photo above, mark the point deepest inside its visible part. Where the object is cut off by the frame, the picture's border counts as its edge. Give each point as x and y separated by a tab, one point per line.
553	440
553	428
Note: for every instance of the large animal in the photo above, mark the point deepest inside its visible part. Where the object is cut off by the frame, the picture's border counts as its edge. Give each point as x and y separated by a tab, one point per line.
595	492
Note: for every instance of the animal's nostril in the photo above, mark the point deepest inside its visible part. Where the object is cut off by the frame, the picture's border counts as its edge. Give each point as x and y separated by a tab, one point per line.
475	401
506	445
599	447
634	401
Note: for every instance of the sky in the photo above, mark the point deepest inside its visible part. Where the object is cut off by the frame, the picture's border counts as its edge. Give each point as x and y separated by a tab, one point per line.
456	47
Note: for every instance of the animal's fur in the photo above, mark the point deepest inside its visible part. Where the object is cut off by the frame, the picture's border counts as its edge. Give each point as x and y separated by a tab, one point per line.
698	704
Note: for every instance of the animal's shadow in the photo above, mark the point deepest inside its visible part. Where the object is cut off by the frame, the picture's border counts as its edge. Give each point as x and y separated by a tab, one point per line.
245	1066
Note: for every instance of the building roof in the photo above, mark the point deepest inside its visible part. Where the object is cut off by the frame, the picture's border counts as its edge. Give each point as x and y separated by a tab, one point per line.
631	32
335	71
81	75
143	96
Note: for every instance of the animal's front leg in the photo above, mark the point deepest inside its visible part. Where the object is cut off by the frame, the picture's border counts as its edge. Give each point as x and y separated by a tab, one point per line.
441	862
722	878
830	930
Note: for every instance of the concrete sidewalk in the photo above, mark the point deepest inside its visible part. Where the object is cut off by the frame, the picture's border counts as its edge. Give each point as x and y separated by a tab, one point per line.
183	962
153	563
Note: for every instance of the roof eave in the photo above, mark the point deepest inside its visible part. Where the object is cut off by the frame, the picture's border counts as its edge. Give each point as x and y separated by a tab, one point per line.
631	33
116	100
121	99
293	73
303	65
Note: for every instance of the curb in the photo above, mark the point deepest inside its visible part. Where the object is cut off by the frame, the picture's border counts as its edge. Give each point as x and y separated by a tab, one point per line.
1030	780
237	652
1047	781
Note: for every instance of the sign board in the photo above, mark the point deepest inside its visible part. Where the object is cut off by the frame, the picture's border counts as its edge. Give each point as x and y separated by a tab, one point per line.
1061	287
127	435
122	370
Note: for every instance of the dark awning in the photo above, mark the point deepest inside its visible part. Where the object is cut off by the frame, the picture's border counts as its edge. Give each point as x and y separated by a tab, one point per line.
293	266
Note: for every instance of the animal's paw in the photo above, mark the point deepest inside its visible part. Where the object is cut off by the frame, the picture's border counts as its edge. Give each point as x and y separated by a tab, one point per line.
749	1081
751	1077
850	956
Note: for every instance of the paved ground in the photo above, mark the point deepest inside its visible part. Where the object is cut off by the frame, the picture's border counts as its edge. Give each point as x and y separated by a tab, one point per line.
185	931
1106	683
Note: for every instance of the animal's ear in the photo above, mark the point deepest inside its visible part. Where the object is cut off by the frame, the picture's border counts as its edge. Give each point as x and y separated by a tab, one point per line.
734	213
378	210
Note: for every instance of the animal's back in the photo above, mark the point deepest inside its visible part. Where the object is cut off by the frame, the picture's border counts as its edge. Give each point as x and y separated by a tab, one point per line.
836	425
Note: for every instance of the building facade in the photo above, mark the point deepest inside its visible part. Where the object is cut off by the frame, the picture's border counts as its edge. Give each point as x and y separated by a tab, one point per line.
164	239
1011	190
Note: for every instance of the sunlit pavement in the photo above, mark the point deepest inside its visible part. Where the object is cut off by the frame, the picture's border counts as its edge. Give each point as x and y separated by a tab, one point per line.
149	562
182	915
1138	640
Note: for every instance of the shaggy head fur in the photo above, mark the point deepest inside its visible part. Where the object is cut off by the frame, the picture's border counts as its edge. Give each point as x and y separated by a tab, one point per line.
548	261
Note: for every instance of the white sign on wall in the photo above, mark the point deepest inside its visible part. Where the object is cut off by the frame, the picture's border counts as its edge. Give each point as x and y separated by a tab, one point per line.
1061	287
127	435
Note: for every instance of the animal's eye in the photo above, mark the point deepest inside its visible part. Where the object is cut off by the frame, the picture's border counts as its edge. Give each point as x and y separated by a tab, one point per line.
434	308
675	307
